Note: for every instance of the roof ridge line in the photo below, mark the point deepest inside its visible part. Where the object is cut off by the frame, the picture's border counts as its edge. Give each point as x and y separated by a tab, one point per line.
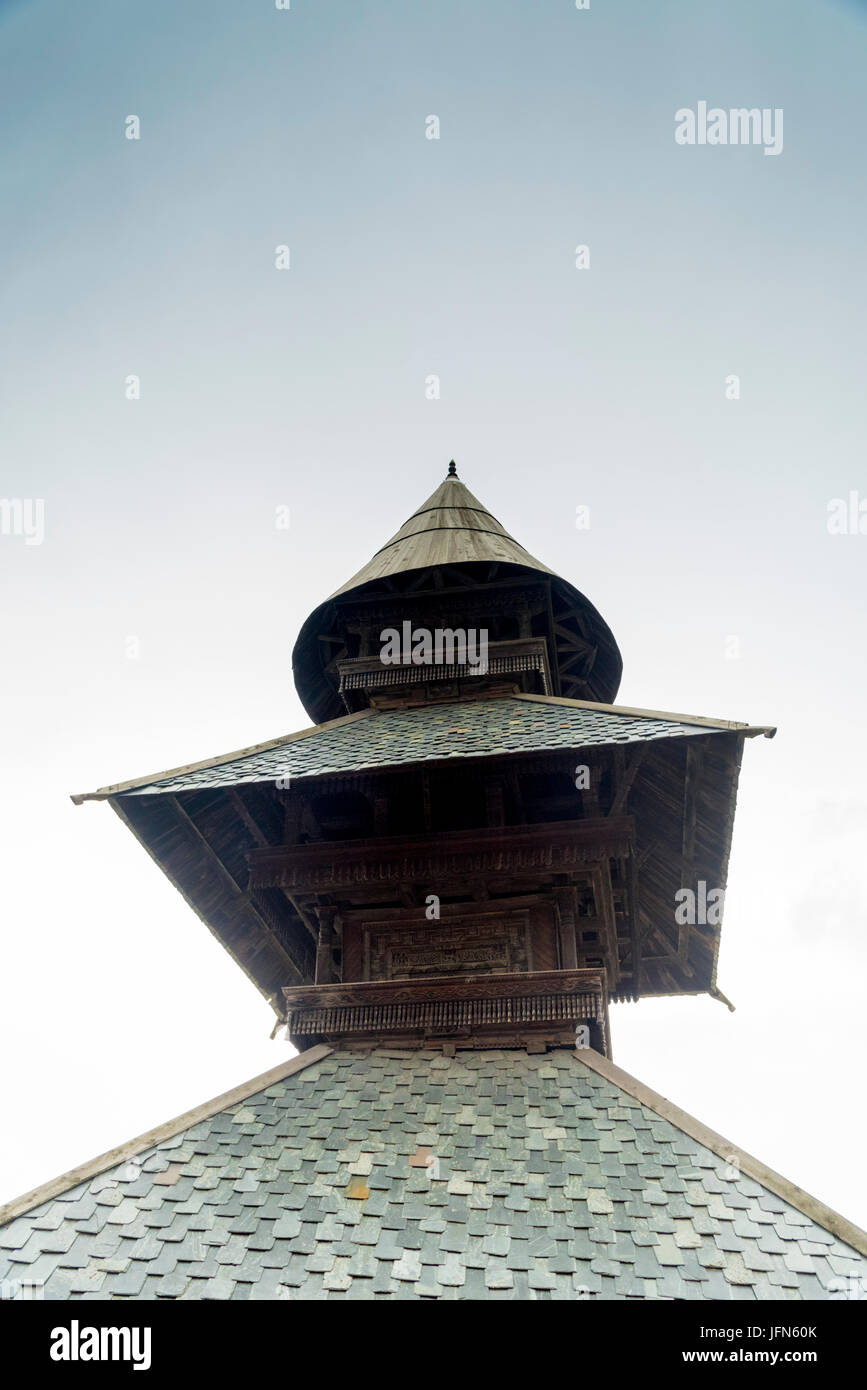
802	1201
151	1137
736	727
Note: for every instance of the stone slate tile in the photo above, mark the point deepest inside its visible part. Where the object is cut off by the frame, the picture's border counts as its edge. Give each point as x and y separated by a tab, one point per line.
59	1285
588	1191
393	736
76	1257
128	1284
172	1285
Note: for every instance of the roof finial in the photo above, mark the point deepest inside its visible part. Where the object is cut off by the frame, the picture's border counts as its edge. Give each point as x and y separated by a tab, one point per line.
453	472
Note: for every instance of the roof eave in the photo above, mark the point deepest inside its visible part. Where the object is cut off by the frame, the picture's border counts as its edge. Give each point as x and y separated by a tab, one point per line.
118	788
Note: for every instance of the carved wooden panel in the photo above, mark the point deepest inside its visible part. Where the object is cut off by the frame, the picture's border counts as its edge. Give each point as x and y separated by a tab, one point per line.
461	946
537	851
465	942
546	951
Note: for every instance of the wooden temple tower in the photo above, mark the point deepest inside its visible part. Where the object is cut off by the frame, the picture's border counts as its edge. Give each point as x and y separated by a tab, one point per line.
501	859
481	854
440	887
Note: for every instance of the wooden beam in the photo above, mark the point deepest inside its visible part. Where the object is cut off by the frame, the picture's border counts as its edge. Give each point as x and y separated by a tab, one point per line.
572	638
632	888
380	810
625	779
325	947
570	661
604	896
494	804
669	855
566	900
657	936
293	808
514	782
421	578
303	915
338	865
555	664
687	848
249	819
222	874
690	784
259	835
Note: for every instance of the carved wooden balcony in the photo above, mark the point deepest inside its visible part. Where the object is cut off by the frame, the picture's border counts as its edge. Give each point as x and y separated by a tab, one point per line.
533	1009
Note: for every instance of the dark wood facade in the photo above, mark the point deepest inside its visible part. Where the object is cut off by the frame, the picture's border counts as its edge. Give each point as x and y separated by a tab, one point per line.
476	880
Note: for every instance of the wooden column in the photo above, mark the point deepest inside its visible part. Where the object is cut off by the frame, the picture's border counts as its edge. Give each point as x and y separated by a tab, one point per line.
494	801
325	974
692	776
292	819
567	913
604	896
380	811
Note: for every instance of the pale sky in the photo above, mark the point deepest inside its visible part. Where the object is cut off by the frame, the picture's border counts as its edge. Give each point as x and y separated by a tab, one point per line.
260	388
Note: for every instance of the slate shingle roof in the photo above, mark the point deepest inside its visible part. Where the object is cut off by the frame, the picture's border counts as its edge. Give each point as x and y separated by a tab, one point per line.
549	1181
461	729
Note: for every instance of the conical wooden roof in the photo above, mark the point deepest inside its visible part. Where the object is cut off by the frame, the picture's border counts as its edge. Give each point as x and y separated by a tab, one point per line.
453	528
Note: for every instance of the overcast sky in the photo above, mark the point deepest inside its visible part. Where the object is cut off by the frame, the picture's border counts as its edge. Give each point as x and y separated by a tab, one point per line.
153	625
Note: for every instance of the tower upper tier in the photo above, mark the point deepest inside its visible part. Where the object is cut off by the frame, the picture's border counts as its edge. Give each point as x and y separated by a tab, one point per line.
453	563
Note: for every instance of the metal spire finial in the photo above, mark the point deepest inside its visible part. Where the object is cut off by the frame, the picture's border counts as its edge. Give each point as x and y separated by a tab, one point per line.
453	472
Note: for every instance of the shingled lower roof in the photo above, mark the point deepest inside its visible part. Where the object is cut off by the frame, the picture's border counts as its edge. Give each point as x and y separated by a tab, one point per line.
374	738
489	1174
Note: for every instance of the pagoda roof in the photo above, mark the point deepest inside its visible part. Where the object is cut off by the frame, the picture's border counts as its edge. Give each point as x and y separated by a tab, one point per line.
451	527
205	822
379	738
491	1174
452	533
